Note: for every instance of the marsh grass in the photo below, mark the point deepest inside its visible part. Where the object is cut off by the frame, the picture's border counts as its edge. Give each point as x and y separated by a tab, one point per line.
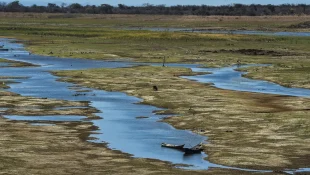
62	147
244	129
216	22
294	73
95	37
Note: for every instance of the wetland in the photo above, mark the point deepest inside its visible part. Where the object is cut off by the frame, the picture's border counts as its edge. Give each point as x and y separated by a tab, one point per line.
250	130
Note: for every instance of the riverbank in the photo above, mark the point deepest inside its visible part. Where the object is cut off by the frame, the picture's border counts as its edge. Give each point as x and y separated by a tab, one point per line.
244	129
294	75
61	147
100	37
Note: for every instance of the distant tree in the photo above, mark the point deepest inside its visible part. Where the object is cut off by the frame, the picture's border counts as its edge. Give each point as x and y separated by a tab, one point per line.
3	6
105	9
304	7
233	9
75	6
90	9
122	6
15	6
53	8
34	8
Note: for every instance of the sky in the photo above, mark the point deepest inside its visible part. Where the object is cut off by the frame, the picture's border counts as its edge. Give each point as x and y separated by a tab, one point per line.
157	2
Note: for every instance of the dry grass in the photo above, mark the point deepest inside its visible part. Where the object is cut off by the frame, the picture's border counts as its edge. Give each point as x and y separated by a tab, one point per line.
62	148
289	75
117	20
244	129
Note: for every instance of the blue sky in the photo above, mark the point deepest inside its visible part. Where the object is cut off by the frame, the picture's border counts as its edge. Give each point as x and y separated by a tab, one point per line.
156	2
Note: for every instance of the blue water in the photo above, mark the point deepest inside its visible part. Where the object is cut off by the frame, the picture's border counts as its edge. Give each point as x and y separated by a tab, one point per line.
118	125
4	64
229	78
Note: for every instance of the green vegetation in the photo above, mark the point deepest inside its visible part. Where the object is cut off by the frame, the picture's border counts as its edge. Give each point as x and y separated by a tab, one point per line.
93	37
244	129
294	75
162	9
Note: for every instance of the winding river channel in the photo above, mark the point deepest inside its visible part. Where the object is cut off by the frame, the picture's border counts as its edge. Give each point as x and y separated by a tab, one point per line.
118	125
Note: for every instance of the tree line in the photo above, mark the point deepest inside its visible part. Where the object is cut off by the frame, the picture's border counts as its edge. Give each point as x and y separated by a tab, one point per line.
204	10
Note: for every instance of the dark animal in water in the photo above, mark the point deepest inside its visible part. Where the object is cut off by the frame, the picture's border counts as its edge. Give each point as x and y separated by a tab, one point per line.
167	145
155	88
194	150
4	49
78	94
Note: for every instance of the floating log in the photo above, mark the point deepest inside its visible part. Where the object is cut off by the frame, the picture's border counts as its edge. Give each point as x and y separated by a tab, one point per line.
167	145
194	150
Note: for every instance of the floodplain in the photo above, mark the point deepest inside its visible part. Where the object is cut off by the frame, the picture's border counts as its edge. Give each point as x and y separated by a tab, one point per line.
244	129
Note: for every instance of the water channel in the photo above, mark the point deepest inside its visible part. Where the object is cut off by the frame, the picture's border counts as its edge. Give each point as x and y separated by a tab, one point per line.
118	125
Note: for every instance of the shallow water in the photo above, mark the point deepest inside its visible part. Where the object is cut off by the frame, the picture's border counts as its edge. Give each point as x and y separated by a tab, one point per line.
4	64
229	78
118	126
239	32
